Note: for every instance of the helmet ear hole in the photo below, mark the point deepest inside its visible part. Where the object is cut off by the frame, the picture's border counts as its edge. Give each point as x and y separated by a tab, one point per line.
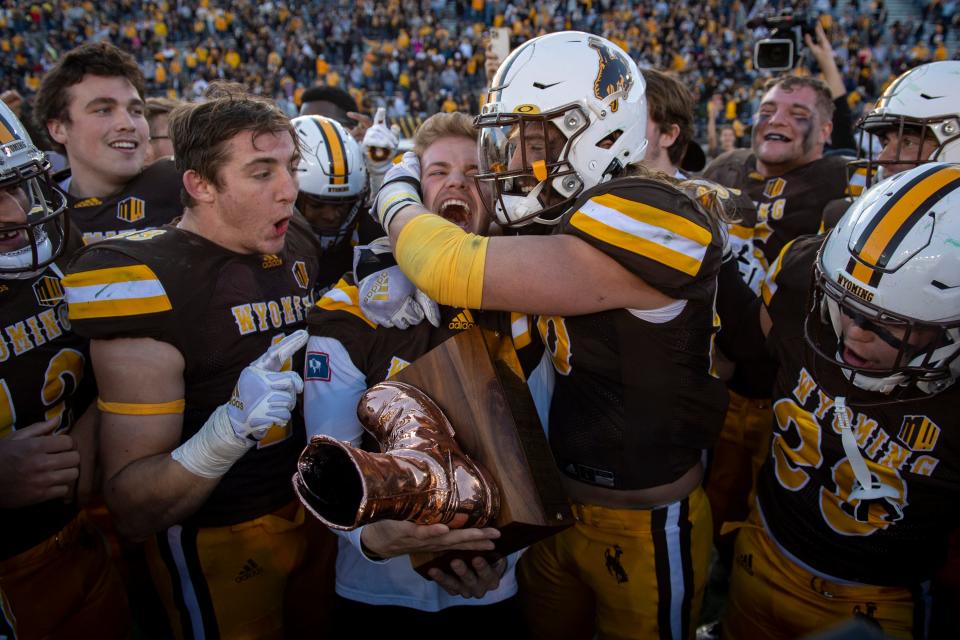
608	141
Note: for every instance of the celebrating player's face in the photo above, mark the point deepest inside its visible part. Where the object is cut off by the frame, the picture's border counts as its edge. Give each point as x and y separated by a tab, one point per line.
13	211
106	133
788	132
448	168
872	345
256	191
903	152
541	142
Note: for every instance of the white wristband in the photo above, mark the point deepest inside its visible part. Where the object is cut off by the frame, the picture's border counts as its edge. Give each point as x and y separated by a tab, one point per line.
214	448
393	197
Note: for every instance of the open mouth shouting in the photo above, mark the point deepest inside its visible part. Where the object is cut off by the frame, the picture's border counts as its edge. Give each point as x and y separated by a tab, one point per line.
457	211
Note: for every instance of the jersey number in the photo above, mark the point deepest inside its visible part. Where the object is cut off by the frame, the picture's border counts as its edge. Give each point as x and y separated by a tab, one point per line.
842	513
553	330
66	365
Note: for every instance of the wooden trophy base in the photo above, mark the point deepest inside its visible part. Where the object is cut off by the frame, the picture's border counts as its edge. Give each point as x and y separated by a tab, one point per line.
476	379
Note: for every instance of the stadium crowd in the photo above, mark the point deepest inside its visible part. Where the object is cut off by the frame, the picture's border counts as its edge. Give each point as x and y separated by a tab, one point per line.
742	351
418	58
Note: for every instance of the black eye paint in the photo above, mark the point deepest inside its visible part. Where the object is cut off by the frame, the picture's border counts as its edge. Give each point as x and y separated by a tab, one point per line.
806	127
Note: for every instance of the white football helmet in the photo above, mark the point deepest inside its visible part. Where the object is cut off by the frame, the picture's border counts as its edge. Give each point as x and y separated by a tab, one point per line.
566	111
924	100
333	178
892	265
30	243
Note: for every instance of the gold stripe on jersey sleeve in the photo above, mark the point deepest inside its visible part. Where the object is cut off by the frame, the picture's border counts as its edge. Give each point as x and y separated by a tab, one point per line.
118	308
895	218
656	217
344	297
129	290
109	275
635	244
338	175
520	327
768	286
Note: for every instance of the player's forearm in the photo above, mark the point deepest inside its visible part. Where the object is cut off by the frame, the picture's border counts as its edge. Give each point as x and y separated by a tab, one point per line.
154	493
86	434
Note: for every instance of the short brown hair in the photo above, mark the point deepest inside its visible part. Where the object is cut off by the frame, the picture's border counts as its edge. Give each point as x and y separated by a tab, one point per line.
200	132
825	106
159	106
670	103
52	101
443	125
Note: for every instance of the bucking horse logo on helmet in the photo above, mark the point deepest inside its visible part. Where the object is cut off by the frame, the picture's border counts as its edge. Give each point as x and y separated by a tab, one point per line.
614	73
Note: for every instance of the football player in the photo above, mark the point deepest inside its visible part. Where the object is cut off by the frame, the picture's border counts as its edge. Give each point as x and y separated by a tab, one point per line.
56	577
348	353
790	181
915	120
622	272
90	104
333	190
193	328
855	502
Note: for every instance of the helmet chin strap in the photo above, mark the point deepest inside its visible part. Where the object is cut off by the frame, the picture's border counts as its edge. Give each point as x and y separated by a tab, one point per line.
867	488
522	206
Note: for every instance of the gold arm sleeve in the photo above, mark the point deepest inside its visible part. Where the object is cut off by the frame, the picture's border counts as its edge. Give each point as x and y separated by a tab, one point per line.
443	260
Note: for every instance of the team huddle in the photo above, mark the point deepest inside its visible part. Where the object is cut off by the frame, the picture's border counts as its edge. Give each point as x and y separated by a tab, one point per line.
751	367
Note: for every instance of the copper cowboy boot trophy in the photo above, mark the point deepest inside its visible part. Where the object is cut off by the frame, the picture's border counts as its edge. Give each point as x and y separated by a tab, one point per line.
421	474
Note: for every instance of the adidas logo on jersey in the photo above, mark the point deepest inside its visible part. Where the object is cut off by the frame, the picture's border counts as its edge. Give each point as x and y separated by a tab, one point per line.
745	560
250	570
271	261
462	322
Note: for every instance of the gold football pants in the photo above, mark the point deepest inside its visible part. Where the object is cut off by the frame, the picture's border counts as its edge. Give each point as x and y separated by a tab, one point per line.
231	582
773	597
621	573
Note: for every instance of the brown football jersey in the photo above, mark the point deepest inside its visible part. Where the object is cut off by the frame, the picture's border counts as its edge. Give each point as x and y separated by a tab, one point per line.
806	491
787	206
221	310
44	373
634	401
150	200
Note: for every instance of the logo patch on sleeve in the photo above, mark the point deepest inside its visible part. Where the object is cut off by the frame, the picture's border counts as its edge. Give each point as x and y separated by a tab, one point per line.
318	366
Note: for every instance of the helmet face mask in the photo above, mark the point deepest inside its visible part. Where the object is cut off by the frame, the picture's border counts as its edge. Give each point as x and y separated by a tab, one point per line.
922	103
333	178
889	269
523	162
41	236
566	111
925	352
331	219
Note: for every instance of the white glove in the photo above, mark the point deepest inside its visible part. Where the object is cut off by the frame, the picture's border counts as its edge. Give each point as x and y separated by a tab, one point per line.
380	144
401	187
387	296
264	396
